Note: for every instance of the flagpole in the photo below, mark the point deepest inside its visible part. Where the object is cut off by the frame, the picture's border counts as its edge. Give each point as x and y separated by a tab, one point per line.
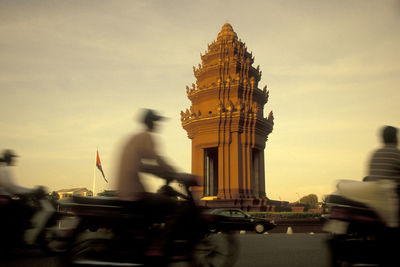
94	173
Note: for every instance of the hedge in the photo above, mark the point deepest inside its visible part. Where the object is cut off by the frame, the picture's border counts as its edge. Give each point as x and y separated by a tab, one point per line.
285	215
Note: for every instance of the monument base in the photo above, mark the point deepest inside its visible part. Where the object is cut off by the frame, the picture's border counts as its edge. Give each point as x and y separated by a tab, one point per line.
245	204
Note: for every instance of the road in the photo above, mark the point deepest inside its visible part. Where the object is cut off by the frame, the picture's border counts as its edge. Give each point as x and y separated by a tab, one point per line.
281	250
277	250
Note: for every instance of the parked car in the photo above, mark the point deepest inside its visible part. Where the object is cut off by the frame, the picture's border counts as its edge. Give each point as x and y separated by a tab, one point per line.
236	220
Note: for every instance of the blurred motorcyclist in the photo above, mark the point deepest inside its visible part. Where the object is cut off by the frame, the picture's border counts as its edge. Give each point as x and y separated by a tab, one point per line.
385	166
7	184
385	162
17	214
139	155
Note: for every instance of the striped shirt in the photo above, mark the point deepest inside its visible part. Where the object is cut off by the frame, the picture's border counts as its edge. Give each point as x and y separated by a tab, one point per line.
385	163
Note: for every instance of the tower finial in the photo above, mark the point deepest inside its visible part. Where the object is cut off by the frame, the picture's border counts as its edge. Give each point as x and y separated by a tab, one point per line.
227	32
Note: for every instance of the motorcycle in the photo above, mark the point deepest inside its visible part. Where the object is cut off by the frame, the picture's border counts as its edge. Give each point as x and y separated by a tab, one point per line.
363	220
117	233
26	220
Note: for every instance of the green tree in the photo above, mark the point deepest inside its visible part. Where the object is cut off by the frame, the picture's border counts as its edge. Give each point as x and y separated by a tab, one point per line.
310	200
54	196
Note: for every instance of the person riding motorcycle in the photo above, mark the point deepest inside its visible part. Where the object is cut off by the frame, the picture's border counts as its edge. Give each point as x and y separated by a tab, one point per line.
364	214
380	189
7	184
18	210
139	155
385	162
147	229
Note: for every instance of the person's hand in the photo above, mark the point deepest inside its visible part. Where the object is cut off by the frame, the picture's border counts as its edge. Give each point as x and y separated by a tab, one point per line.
189	179
39	191
167	191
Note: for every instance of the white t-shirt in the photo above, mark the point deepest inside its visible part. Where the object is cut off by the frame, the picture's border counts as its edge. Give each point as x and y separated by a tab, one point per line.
7	185
138	149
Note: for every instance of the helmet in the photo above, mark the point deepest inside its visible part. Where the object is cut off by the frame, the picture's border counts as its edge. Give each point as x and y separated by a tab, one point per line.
389	134
150	116
8	155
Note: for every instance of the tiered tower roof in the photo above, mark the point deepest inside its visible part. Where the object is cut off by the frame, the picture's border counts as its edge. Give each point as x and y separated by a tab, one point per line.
226	81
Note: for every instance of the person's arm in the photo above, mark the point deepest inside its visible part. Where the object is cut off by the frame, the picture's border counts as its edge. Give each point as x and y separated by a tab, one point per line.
150	153
9	185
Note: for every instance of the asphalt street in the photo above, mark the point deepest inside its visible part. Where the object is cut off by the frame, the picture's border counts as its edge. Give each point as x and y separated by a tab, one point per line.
277	250
282	250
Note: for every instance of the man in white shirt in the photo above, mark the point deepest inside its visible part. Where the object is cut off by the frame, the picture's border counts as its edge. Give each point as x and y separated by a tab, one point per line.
17	215
136	154
7	184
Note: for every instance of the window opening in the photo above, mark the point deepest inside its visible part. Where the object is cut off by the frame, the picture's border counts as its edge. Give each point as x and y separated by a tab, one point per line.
211	171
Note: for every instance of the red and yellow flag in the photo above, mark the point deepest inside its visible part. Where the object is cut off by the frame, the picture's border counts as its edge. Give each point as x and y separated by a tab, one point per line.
98	164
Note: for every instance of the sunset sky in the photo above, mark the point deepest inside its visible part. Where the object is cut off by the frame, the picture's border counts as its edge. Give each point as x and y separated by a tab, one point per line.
75	74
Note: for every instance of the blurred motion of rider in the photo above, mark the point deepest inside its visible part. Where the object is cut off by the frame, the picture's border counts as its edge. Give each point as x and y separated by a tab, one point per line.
139	155
385	162
7	184
16	217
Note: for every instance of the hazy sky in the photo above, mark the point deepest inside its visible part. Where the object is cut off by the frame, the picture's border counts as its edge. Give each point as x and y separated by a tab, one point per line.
74	74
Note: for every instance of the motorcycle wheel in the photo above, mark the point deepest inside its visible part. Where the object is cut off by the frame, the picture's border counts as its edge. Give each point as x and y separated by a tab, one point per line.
55	239
217	250
51	244
348	251
87	247
99	249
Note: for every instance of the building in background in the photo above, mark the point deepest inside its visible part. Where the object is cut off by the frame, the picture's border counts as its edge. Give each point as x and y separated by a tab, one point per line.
226	123
69	193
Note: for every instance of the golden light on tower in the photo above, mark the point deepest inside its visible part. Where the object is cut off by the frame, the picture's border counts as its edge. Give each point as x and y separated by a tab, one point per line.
226	121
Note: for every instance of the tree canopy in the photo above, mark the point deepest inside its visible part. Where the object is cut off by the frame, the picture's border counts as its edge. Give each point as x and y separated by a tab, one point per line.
310	200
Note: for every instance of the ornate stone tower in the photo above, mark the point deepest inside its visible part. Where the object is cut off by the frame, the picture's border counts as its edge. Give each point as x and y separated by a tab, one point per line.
226	121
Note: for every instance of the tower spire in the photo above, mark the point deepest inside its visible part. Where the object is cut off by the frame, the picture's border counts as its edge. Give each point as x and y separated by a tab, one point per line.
226	32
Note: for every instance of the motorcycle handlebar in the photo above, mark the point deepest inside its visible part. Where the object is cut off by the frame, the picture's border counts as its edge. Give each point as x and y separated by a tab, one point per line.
184	178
